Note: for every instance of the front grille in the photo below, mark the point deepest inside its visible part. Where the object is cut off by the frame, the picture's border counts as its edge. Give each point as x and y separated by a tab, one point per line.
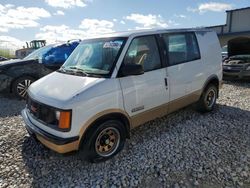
234	68
42	112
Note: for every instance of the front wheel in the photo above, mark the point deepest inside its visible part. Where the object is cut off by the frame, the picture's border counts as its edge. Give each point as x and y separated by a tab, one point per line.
208	99
105	141
20	86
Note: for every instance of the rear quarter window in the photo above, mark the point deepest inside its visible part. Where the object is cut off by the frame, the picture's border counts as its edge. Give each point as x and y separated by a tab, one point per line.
182	47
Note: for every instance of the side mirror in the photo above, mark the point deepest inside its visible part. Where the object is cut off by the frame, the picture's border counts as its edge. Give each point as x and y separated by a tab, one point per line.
131	69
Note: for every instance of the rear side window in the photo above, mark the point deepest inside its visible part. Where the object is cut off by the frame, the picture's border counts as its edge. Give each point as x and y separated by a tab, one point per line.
144	51
181	47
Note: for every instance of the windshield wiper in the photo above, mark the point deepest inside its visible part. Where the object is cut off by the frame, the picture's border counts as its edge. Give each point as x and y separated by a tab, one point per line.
62	70
73	70
79	70
75	67
76	71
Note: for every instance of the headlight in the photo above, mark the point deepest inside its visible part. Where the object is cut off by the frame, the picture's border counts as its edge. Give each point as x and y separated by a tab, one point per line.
52	117
57	115
64	119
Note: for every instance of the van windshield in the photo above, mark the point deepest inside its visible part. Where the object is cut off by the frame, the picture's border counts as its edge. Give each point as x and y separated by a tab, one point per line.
94	57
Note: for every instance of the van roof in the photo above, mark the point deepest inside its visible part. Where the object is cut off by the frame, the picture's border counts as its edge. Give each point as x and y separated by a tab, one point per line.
148	32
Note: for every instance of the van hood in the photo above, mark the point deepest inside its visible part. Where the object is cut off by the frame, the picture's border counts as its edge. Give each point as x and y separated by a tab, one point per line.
60	87
239	46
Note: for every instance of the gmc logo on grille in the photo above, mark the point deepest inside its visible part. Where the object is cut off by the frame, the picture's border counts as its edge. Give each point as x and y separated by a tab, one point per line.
33	109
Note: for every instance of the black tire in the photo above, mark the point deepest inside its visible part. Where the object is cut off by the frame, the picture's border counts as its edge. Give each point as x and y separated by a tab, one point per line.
104	141
20	86
208	99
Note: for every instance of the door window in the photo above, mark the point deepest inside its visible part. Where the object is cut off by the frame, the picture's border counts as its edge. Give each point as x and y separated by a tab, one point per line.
181	48
58	55
144	51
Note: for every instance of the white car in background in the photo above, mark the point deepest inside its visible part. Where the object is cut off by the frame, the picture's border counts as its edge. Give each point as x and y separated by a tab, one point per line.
113	83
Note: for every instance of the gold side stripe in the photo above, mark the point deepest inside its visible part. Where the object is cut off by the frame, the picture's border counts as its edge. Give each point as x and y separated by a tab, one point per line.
164	109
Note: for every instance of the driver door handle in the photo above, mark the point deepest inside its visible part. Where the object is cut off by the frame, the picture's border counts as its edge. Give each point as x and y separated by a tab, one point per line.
166	83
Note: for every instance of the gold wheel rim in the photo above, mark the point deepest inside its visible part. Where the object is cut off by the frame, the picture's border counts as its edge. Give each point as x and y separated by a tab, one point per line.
210	98
107	141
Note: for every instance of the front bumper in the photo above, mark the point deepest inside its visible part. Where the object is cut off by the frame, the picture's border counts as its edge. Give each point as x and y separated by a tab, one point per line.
5	83
235	71
58	144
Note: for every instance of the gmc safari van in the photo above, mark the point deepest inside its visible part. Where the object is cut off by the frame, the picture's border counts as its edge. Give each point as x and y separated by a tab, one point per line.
114	83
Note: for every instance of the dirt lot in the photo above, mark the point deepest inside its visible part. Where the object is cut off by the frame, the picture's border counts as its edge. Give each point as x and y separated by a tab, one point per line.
184	149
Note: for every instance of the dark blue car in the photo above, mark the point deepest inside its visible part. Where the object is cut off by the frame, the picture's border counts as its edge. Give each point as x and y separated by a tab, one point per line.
16	75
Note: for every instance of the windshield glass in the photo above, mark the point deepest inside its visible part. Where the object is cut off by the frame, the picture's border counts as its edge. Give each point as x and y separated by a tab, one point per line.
38	54
95	56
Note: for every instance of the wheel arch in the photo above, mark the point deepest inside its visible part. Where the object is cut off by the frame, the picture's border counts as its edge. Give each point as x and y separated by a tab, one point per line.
118	115
213	79
20	76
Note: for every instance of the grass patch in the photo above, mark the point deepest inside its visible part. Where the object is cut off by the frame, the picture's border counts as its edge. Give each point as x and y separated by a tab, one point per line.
6	53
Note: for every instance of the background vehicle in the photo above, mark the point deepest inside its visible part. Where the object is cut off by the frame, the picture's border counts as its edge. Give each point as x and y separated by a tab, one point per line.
17	75
30	47
117	82
3	58
224	53
237	65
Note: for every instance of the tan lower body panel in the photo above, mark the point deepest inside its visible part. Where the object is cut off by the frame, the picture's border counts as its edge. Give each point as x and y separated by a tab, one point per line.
59	148
164	109
134	120
184	101
101	114
149	115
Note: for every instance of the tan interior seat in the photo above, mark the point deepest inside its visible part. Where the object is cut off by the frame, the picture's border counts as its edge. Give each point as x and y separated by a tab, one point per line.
142	59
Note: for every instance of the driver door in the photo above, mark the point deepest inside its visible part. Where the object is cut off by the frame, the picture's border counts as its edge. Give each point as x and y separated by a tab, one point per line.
145	96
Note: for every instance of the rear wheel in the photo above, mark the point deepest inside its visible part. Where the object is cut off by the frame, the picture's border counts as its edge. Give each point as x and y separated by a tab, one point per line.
105	141
20	86
208	99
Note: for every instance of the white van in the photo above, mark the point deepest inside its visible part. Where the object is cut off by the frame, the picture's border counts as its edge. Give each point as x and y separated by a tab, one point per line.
113	83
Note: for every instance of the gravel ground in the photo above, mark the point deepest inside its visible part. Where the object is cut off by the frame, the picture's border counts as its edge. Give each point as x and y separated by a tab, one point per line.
184	149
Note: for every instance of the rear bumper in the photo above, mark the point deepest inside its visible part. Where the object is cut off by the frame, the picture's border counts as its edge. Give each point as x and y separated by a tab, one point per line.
58	144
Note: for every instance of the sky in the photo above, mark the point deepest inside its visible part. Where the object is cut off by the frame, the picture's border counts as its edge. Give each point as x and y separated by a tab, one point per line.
62	20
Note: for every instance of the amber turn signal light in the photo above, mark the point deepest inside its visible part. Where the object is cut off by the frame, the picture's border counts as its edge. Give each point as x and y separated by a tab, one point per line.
64	120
